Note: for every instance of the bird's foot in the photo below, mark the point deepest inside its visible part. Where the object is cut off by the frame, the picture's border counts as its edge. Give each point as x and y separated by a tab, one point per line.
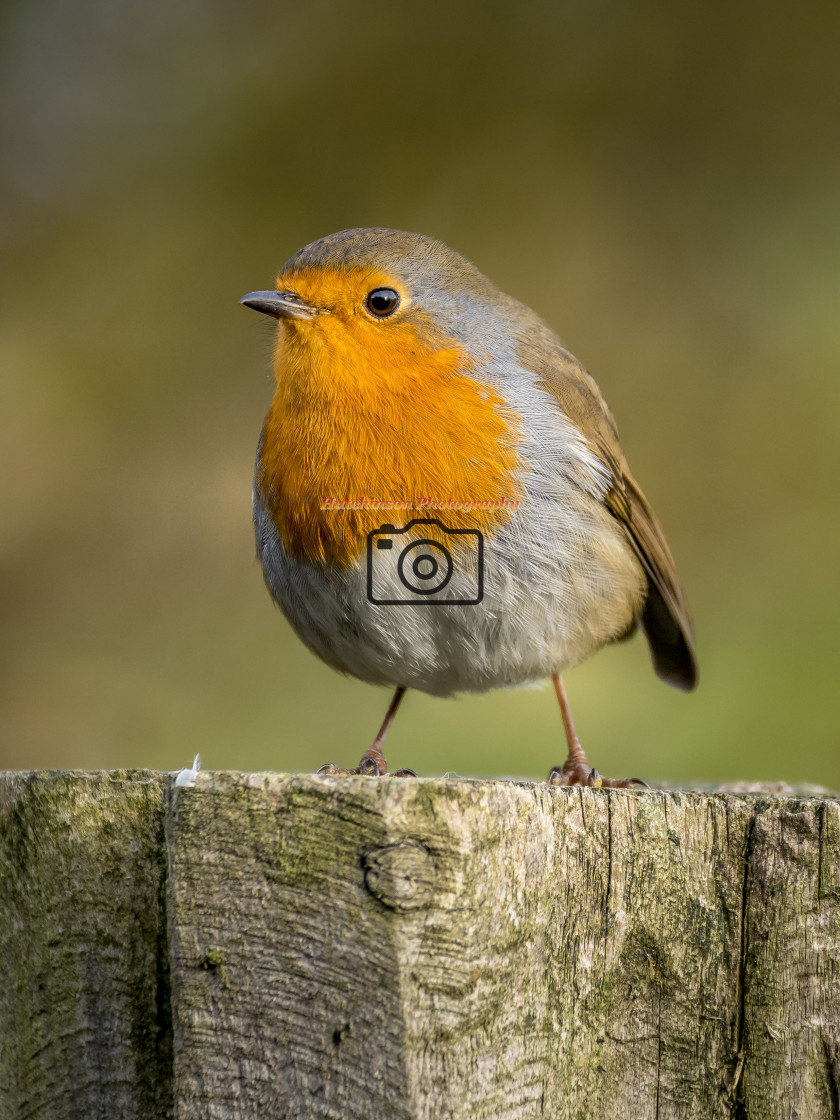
580	773
371	765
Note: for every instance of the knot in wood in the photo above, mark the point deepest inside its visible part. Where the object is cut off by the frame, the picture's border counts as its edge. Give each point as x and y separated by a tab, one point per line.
401	876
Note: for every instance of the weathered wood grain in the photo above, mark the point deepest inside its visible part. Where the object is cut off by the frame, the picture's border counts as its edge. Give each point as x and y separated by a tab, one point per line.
354	948
399	948
792	961
85	1028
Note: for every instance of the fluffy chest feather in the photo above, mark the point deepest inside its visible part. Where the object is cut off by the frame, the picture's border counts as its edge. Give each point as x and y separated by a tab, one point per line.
388	422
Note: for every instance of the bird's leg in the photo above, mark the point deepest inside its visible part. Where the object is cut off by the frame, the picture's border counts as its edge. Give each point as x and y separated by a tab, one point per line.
576	770
372	761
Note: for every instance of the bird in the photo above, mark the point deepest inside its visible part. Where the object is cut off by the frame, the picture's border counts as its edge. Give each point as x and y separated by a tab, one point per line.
440	499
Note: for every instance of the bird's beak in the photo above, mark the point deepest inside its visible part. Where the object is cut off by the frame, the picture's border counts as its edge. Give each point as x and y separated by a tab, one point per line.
282	305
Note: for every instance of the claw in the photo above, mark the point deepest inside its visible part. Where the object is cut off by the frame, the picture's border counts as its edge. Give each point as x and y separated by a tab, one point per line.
576	770
581	774
368	768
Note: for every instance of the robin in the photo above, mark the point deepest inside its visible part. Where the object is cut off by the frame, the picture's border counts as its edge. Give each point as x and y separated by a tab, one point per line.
440	500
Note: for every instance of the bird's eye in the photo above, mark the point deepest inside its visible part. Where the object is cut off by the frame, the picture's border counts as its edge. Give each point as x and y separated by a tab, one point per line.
382	302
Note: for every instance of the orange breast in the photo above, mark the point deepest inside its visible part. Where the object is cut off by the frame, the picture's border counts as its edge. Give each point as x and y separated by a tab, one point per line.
389	415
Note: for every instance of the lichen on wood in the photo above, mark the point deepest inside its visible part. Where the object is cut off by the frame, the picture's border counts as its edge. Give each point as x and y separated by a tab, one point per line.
85	1014
392	948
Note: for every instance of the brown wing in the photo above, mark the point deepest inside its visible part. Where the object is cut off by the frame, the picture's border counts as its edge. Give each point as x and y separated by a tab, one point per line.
665	618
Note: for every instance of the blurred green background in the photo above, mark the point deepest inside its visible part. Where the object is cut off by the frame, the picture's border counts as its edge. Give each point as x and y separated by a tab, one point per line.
659	181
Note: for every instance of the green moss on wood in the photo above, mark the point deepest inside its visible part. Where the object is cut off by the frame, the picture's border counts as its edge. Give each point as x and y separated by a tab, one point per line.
86	1014
405	948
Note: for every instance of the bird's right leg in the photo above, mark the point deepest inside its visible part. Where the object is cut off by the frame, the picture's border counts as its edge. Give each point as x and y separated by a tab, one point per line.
373	762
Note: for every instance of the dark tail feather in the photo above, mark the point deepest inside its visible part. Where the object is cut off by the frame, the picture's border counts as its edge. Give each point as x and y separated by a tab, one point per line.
672	654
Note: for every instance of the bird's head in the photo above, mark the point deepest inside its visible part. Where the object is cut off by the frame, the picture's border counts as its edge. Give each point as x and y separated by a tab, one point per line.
379	303
381	389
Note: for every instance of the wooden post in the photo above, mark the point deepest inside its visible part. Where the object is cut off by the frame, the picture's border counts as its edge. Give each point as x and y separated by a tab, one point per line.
386	949
85	1021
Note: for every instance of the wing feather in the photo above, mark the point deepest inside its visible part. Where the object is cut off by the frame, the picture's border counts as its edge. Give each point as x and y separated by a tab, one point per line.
665	618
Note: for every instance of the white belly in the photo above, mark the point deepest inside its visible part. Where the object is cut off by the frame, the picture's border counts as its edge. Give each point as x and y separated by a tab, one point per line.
560	581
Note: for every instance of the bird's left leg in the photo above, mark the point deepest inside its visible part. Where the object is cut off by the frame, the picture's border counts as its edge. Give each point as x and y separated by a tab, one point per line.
576	770
373	762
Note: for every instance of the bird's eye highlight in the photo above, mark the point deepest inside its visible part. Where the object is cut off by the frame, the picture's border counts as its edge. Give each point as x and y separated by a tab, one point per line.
382	302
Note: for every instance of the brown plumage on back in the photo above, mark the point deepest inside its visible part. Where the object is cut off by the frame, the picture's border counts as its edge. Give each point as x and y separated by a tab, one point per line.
665	618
